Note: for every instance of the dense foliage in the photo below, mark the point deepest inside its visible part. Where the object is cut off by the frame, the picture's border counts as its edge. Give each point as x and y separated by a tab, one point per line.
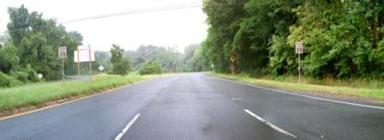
151	67
30	46
193	59
169	59
342	38
120	65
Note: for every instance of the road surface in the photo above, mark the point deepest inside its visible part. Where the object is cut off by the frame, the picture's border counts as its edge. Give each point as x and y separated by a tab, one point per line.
197	107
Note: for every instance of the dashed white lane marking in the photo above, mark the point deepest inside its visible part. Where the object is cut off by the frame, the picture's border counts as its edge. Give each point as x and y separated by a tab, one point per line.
278	129
236	99
118	137
306	96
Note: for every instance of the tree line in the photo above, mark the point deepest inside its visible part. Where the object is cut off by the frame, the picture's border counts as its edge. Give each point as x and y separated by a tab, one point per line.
30	46
150	59
342	38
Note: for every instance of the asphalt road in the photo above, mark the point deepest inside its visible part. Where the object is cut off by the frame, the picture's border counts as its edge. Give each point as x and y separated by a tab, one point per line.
197	107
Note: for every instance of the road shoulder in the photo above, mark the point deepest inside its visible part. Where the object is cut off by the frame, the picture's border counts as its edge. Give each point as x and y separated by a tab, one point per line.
329	97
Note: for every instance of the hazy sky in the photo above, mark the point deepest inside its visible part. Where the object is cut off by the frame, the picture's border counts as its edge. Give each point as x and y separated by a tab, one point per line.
171	28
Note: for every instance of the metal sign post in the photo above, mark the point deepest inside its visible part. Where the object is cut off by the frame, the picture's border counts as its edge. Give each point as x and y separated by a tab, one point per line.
62	56
299	49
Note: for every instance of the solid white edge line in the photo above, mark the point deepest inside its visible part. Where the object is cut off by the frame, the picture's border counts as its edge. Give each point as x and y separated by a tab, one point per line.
278	129
306	96
121	134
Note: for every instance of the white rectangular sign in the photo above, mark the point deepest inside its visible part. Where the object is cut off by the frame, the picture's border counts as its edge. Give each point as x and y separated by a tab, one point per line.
299	47
86	54
62	52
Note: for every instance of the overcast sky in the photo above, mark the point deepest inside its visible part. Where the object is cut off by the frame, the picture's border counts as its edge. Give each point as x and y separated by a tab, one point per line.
171	28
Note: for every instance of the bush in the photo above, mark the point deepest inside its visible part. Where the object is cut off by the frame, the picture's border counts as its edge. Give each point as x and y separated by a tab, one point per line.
31	73
26	74
21	76
8	81
122	67
150	67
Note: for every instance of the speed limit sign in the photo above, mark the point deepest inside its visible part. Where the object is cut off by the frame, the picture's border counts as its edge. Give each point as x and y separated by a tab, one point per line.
299	47
62	52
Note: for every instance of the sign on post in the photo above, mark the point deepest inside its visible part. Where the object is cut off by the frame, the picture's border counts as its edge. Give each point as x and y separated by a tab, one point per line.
83	54
101	68
299	47
62	52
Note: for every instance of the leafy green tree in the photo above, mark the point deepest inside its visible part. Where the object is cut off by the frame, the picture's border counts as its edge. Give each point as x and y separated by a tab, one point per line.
193	58
343	38
224	18
102	58
151	67
37	41
169	59
120	64
8	58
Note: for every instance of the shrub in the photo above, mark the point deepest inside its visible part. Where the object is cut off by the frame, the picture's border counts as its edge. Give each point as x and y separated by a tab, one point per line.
150	67
122	67
8	81
31	73
21	76
26	74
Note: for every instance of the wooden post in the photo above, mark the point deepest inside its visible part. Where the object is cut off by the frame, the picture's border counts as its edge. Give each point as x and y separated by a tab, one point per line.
78	62
90	61
63	74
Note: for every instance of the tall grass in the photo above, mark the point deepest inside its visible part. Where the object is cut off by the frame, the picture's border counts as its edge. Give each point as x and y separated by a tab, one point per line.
329	81
353	87
39	93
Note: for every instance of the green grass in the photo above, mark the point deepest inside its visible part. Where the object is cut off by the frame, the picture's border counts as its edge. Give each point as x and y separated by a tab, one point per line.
369	90
37	94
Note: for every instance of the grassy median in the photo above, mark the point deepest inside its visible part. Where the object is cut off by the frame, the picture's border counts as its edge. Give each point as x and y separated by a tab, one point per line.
363	91
39	94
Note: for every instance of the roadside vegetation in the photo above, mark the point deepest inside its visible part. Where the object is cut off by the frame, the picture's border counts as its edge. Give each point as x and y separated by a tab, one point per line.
343	39
29	47
30	67
255	40
150	67
39	94
368	89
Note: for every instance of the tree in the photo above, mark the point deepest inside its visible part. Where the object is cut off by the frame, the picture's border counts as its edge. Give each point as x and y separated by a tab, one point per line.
37	40
151	67
102	58
120	64
8	58
224	18
193	58
343	38
169	59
